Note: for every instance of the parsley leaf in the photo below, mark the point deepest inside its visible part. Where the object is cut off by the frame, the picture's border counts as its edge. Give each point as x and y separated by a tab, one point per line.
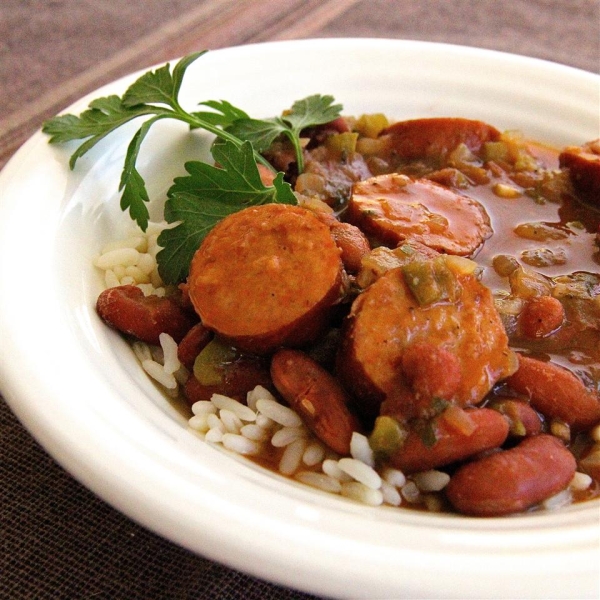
103	116
154	94
308	112
201	199
224	113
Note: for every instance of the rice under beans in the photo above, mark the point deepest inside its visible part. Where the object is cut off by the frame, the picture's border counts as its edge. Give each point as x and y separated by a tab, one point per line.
265	427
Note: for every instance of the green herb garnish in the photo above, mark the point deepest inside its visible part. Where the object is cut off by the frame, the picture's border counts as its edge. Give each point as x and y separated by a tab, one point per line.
311	111
198	201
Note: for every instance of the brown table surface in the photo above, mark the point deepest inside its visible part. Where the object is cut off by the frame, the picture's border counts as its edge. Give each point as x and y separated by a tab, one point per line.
58	540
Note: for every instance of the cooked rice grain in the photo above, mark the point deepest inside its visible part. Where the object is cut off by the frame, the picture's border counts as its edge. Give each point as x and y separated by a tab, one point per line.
319	481
286	435
169	347
242	411
360	472
240	444
292	457
431	481
231	421
360	492
157	372
360	449
280	414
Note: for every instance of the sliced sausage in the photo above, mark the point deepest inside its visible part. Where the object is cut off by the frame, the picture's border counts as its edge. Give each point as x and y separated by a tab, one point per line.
267	276
386	319
556	392
512	480
584	170
438	136
316	396
392	208
126	309
488	429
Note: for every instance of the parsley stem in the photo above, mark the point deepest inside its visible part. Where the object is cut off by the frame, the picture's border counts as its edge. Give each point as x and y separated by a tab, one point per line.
193	121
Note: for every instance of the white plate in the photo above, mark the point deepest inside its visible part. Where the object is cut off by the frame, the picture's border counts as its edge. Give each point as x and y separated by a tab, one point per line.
76	386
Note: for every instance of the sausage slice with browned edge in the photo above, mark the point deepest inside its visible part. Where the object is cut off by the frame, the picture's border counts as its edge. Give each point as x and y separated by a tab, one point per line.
392	208
583	163
381	359
437	136
267	276
514	480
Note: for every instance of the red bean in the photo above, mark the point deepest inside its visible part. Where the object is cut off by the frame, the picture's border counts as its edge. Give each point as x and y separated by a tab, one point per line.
126	309
316	396
512	480
192	343
488	429
522	419
556	392
541	316
239	376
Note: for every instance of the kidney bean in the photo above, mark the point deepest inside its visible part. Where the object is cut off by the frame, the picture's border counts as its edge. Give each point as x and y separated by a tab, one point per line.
488	429
316	396
556	392
431	371
238	376
512	480
523	420
541	316
192	343
350	240
126	309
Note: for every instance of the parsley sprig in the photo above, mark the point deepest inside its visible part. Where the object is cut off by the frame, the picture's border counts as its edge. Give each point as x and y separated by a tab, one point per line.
196	202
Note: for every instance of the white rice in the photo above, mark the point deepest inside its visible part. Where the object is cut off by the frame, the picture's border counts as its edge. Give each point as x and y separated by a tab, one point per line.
254	432
431	481
243	412
157	372
394	477
277	412
240	444
410	492
313	455
319	481
286	435
204	407
232	423
580	481
360	471
361	493
132	261
199	423
390	494
292	457
361	450
559	500
169	347
332	468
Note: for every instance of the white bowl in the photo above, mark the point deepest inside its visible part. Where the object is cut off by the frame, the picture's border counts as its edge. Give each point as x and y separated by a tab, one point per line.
77	387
